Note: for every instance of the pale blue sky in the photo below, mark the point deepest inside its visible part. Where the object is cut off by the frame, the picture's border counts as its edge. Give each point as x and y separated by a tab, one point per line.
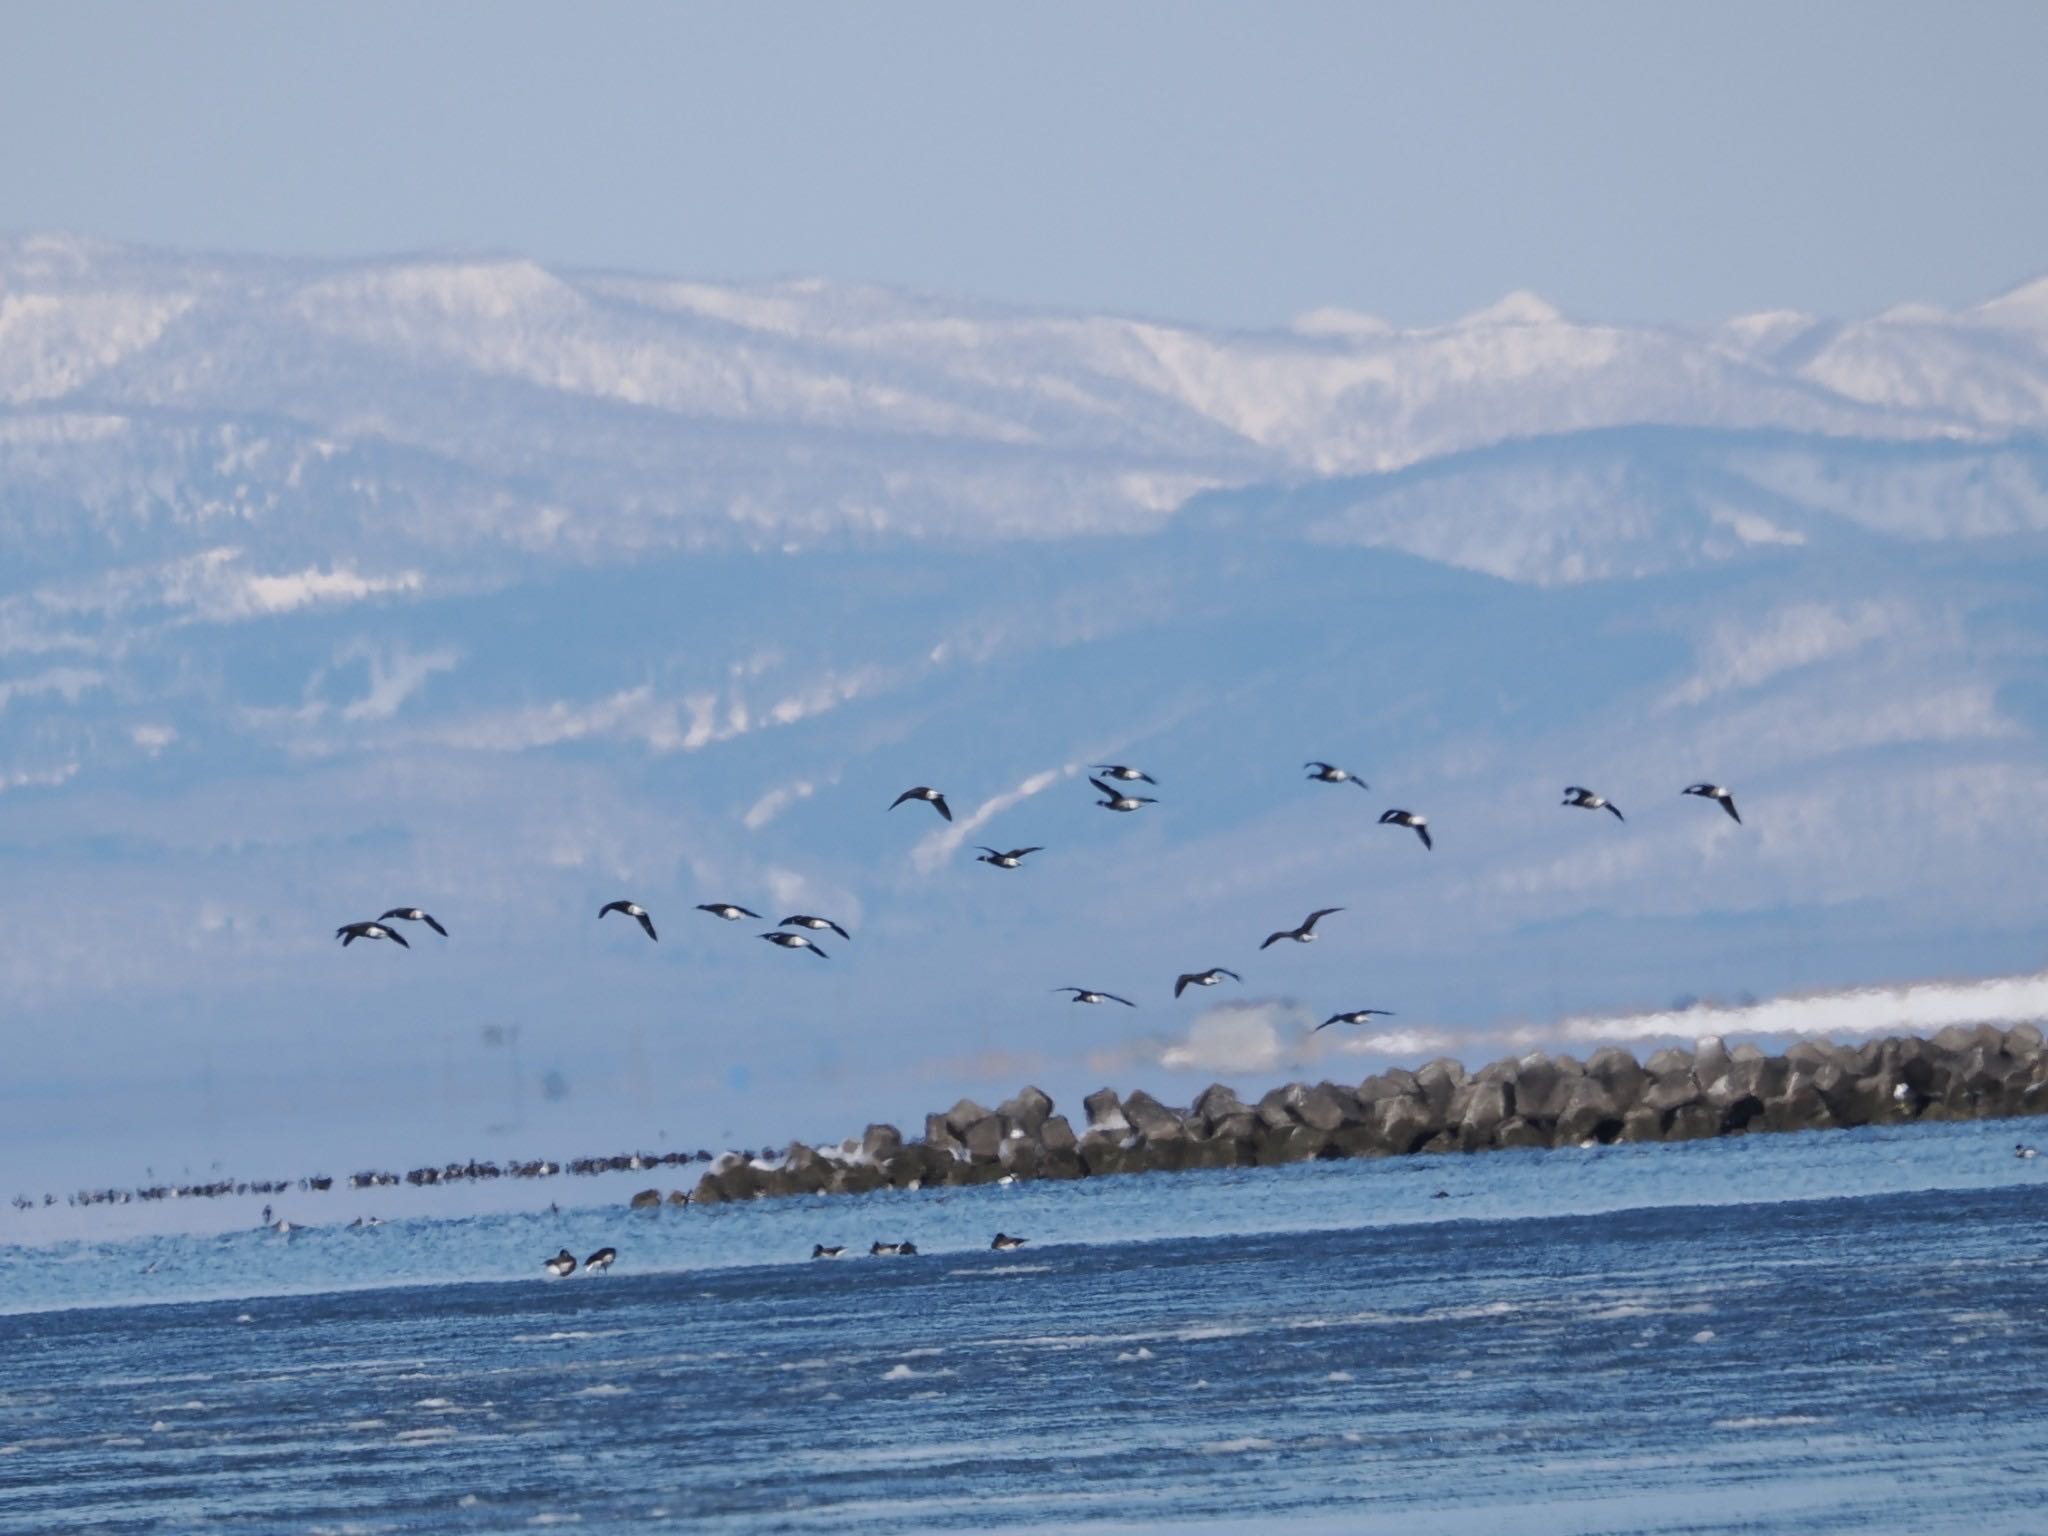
1221	163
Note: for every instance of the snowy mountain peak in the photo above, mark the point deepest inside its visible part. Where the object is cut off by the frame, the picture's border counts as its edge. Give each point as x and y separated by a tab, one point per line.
1518	308
2025	306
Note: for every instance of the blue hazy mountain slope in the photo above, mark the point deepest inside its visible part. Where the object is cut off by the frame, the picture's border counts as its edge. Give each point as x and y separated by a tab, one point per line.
506	592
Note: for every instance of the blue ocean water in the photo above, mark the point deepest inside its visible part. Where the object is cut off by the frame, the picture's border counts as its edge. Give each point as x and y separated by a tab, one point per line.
1834	1332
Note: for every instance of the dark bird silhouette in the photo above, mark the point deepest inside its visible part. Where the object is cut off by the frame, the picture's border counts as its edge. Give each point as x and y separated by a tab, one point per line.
563	1263
1355	1016
929	796
1207	978
414	915
795	941
1010	860
1330	773
820	1251
727	910
1085	995
815	924
1715	792
1117	800
631	909
1420	824
1123	773
880	1249
1306	933
1004	1242
600	1261
348	933
1586	800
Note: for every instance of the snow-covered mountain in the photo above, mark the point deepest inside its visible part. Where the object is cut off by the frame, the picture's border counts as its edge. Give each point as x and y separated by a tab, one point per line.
327	586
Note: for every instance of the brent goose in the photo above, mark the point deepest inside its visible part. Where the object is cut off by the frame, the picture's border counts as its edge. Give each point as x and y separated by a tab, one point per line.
1084	995
1715	792
1586	800
1009	860
631	909
929	796
1004	1242
1117	800
563	1263
881	1250
2021	1149
1207	978
727	910
1306	933
1330	773
820	1251
1355	1016
795	941
414	915
815	924
1420	824
600	1261
348	933
1123	773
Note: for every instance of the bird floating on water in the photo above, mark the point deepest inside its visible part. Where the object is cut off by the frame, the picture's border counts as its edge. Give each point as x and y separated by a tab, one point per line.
1355	1016
1586	800
881	1250
1004	1242
929	796
414	915
1715	792
1117	800
795	941
632	909
1207	978
600	1261
348	933
1087	995
1330	773
820	1251
563	1263
1418	824
1306	933
1124	773
815	924
727	910
1010	860
2022	1150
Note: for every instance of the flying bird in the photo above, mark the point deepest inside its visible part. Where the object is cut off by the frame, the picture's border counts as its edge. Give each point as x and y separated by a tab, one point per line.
1306	933
728	911
348	933
1420	824
1084	995
815	924
1586	800
1207	978
1715	792
631	909
795	941
1010	860
563	1263
1356	1016
414	915
1117	800
930	797
600	1261
1330	773
1124	773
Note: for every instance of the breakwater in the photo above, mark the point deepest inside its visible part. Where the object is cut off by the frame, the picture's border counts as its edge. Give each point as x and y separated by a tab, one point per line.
1538	1100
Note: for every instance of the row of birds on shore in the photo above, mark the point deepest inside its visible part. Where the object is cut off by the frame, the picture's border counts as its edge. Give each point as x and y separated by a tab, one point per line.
563	1264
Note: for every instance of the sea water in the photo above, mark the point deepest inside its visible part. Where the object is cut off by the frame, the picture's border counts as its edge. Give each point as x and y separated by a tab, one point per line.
1831	1332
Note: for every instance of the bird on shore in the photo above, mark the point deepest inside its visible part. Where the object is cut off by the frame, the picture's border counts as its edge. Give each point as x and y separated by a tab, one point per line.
1123	773
1207	978
795	941
1306	933
1586	800
414	915
1085	995
1330	773
600	1261
820	1251
348	933
563	1263
1117	800
1715	792
1010	860
890	1250
727	910
1418	824
1355	1016
632	909
815	924
1004	1242
929	796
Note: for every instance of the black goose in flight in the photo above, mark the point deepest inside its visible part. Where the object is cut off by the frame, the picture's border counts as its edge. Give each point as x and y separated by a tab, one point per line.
1088	995
1330	773
1124	773
1715	792
1586	800
632	909
1207	978
795	941
1010	860
1116	799
414	915
1355	1016
1419	824
815	924
730	913
1306	933
929	796
348	933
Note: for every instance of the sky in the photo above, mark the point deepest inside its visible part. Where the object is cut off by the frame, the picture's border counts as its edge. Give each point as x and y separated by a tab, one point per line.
1217	163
